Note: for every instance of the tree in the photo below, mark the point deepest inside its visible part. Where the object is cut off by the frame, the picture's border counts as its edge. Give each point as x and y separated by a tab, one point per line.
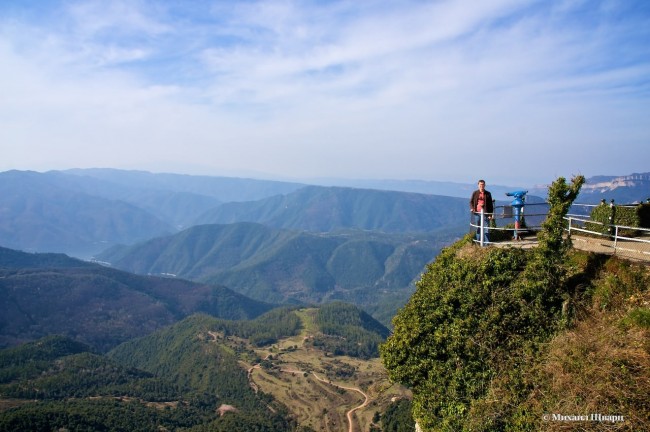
545	271
465	339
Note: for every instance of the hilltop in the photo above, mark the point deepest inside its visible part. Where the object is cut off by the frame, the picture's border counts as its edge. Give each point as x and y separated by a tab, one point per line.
503	338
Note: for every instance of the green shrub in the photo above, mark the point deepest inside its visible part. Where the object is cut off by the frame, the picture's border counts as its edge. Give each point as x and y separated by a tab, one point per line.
625	216
466	339
639	317
643	212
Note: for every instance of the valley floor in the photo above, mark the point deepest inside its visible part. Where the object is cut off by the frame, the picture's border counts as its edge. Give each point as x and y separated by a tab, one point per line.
322	391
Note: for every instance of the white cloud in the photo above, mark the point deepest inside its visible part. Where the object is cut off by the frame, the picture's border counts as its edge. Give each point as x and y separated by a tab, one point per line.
337	88
108	19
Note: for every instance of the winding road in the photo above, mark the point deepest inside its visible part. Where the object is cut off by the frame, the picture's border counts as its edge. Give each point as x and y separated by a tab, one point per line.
358	390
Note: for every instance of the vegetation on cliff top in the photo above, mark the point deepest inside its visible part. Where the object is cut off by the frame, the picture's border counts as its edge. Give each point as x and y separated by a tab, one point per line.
495	338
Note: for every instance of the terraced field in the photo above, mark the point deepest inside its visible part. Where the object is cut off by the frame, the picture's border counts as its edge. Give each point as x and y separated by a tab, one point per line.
322	391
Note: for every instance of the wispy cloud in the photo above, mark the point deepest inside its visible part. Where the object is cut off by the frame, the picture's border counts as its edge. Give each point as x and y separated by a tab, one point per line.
313	88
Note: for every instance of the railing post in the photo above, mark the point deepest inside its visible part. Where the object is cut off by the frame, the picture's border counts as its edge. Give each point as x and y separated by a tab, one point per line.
615	237
569	226
612	217
482	230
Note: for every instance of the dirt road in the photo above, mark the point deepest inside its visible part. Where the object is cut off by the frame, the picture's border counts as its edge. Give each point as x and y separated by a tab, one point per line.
326	381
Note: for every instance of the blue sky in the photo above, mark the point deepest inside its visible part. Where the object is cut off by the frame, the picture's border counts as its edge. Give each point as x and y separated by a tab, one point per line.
516	92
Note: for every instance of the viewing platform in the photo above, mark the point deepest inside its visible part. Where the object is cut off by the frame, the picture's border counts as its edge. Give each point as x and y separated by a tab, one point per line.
498	231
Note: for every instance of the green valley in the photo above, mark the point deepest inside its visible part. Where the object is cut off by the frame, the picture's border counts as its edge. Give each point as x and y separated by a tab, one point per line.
373	270
205	373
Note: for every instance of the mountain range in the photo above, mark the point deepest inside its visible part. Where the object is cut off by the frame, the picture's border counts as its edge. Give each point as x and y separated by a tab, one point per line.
82	212
181	327
628	189
272	241
324	209
374	270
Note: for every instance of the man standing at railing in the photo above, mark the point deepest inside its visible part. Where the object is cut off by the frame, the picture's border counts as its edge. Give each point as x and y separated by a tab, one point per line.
481	200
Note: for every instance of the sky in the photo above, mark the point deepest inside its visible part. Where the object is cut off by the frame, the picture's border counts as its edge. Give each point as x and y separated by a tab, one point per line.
513	91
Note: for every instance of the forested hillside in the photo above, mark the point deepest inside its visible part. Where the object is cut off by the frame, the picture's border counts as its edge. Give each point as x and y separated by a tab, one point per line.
347	330
55	384
13	259
42	294
370	269
194	375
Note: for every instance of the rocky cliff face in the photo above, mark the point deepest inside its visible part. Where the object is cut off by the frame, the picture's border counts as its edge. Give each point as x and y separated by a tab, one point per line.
626	189
602	185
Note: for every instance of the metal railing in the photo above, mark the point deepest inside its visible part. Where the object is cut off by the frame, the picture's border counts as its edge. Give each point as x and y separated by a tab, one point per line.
623	240
487	224
632	242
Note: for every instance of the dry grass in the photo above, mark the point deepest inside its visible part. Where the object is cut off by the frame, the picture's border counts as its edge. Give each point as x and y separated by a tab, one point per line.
602	365
471	251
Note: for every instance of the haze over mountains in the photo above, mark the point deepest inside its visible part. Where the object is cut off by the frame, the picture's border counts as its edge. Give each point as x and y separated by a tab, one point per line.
325	209
83	215
188	299
271	240
82	212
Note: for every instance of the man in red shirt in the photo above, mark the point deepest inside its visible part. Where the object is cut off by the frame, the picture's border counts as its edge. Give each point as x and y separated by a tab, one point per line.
482	200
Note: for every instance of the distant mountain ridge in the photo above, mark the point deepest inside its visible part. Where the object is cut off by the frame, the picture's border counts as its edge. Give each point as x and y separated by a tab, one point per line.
325	209
626	189
224	189
82	212
428	187
38	214
623	189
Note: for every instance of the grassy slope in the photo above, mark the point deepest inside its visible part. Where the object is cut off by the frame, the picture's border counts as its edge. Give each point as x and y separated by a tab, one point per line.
601	364
592	355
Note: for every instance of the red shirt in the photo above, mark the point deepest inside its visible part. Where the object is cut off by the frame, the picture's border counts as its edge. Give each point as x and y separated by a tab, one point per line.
481	201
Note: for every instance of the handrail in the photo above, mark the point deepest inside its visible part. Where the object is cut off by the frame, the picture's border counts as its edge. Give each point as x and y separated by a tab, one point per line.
575	223
614	235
